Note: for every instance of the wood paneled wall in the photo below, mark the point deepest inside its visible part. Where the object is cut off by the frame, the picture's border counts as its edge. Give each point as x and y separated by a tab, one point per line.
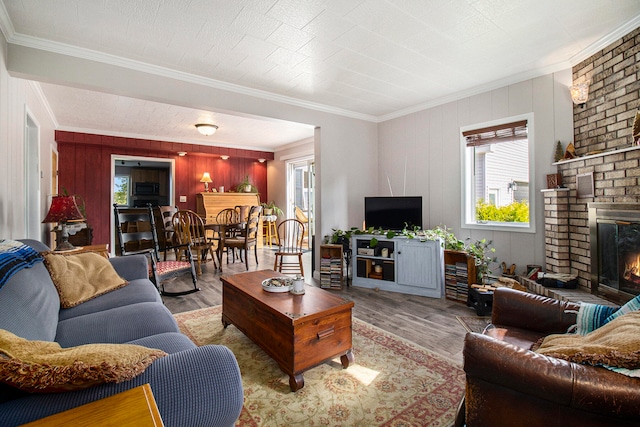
85	170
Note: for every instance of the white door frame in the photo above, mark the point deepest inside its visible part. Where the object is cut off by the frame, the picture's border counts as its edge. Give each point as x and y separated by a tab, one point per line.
118	157
32	178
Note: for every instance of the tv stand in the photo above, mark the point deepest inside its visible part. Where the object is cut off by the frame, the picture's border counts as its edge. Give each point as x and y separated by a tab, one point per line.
412	266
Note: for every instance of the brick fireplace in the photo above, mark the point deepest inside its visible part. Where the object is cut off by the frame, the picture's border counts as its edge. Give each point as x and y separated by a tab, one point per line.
605	148
568	236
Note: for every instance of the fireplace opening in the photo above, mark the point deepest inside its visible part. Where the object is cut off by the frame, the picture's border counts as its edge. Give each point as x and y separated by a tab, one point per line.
615	250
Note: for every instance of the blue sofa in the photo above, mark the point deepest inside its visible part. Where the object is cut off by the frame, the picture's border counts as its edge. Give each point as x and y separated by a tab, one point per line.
193	386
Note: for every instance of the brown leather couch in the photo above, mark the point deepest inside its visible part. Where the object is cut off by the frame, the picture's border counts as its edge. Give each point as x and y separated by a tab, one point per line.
508	385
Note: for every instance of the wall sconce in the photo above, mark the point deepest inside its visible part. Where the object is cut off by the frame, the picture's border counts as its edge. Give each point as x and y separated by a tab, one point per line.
579	93
262	160
224	157
182	153
206	179
512	186
206	129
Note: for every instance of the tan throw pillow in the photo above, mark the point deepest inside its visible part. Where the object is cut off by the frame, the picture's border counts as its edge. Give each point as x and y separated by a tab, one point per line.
45	367
81	277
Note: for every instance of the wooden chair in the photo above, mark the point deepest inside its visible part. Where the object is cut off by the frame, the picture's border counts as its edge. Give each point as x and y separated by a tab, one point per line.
188	228
137	235
248	237
227	216
300	216
290	236
166	222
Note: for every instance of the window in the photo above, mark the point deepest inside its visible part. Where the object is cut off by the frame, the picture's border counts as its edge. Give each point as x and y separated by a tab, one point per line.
121	190
497	160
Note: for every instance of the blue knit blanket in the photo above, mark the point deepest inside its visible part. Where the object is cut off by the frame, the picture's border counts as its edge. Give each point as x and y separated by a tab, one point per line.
14	256
592	316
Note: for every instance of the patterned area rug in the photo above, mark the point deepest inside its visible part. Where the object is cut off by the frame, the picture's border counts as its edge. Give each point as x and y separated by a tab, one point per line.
474	323
392	383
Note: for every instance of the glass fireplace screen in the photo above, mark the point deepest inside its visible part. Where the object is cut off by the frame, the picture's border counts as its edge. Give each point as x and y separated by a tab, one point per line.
619	255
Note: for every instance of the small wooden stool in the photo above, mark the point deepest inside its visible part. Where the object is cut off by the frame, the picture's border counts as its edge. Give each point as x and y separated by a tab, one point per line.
271	229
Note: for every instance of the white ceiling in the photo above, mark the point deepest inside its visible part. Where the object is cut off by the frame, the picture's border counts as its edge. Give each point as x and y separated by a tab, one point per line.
372	59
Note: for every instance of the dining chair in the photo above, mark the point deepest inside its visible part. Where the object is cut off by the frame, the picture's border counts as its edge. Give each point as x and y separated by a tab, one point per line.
166	221
188	228
227	216
137	234
248	237
290	236
304	219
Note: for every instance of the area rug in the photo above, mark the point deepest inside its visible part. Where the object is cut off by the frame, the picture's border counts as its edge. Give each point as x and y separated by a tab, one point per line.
393	382
474	323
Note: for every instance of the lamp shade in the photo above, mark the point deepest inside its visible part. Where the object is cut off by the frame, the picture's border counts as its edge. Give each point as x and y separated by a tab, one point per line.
206	177
63	209
579	93
206	128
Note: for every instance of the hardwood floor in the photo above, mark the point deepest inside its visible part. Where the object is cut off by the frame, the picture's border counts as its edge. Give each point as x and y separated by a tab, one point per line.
428	322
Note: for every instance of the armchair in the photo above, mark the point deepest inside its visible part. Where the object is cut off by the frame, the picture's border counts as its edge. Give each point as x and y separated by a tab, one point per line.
508	385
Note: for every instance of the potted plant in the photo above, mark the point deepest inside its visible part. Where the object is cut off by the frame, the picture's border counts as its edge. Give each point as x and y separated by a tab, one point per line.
245	186
271	209
482	252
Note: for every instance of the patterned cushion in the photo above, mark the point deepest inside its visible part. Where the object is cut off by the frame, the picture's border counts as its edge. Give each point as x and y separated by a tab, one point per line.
165	267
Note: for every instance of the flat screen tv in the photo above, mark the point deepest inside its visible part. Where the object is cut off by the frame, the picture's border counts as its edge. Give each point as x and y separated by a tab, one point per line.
391	213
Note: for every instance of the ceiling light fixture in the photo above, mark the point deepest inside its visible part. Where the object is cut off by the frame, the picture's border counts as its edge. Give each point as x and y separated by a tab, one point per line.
224	157
579	93
206	129
182	153
262	160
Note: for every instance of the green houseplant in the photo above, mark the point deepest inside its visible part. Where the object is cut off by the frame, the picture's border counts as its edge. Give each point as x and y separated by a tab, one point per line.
271	209
245	186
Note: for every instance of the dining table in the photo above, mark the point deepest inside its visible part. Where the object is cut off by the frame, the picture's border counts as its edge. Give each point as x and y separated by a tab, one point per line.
223	230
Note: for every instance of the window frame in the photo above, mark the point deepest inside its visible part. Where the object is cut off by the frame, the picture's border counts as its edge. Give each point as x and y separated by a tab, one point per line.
128	177
467	203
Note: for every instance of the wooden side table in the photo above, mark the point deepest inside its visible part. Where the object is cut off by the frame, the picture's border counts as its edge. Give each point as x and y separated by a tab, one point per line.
102	249
134	408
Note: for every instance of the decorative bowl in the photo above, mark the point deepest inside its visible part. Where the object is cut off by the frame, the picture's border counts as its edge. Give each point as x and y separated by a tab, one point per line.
277	284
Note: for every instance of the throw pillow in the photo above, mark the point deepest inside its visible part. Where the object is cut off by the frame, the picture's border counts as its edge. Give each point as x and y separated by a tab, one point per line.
44	367
81	277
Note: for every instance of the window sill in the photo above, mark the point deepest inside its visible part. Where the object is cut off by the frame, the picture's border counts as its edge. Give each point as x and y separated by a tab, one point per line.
508	227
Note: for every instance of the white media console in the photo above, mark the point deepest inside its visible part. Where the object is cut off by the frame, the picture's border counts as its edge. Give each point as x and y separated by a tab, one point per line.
400	264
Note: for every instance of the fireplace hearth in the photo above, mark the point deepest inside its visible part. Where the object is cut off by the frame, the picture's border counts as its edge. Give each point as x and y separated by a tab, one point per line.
615	250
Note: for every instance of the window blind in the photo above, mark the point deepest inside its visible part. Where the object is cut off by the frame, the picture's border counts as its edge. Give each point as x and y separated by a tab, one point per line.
505	132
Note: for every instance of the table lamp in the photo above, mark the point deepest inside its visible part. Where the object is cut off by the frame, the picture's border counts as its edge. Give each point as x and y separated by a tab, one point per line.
206	179
62	210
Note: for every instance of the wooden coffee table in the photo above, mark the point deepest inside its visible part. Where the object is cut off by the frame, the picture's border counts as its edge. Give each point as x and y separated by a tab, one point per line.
297	331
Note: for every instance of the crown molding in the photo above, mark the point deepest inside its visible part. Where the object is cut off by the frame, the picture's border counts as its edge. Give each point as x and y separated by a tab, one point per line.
605	41
135	65
477	90
45	103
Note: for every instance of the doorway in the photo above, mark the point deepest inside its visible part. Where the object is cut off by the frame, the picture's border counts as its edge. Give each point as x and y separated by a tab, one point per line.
33	227
300	194
156	179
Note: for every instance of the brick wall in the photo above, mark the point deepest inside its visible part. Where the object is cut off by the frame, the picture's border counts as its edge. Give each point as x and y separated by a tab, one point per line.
605	123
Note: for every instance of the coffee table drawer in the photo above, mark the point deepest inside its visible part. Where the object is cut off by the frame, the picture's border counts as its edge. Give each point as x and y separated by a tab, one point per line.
322	328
